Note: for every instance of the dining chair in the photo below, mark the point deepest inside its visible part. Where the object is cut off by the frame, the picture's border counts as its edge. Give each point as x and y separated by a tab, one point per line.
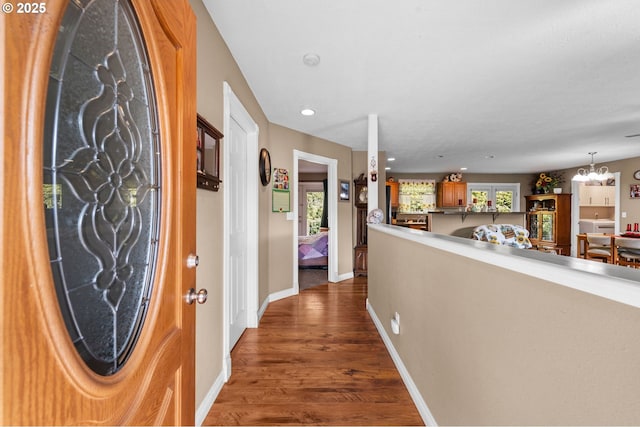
628	251
598	246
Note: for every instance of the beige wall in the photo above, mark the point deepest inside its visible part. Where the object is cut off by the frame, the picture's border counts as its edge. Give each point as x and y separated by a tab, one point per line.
216	65
486	345
281	231
275	243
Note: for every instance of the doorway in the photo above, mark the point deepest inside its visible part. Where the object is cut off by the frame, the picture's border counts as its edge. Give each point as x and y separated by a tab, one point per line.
578	206
302	160
240	237
312	225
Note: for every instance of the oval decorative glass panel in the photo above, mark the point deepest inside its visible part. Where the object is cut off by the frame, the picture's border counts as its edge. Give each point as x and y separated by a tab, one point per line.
102	179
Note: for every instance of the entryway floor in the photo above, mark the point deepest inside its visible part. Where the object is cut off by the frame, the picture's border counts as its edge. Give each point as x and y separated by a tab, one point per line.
316	359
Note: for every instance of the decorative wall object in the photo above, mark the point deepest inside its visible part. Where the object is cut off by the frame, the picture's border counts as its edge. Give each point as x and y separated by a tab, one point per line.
280	179
281	199
208	155
345	191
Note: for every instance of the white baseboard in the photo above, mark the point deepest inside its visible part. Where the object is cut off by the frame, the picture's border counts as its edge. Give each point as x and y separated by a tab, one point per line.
275	297
209	399
423	409
285	293
263	308
345	276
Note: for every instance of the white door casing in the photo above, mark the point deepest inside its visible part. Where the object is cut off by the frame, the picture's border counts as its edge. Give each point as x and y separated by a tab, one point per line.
240	236
575	211
332	194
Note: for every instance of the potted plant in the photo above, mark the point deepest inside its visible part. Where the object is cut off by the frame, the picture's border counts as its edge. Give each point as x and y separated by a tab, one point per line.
548	182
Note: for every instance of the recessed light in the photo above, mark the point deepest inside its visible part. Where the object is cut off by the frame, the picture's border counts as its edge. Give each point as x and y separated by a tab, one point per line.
387	168
307	112
391	159
311	59
463	169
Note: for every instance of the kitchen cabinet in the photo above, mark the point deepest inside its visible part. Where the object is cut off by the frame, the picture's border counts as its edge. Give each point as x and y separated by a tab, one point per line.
549	221
597	195
394	187
451	194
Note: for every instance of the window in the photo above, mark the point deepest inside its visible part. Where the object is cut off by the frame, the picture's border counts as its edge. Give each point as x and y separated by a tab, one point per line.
310	205
505	197
315	200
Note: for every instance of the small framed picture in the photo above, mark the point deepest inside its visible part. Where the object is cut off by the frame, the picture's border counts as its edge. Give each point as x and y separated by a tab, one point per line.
344	191
634	191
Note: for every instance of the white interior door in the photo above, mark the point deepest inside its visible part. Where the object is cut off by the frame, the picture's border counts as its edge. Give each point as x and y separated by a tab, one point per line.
240	237
237	187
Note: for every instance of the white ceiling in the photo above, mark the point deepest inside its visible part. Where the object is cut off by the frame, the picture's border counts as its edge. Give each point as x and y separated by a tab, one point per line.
503	86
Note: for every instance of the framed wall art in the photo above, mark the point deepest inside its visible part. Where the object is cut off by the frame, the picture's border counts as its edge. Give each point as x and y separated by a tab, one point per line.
345	191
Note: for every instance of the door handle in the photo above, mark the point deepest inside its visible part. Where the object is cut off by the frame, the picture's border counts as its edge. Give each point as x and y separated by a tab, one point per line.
200	297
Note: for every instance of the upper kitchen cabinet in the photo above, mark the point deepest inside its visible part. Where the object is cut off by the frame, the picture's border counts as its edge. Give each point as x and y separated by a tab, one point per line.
597	195
451	194
394	188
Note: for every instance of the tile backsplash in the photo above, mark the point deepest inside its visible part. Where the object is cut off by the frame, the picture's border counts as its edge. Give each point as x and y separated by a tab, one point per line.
600	212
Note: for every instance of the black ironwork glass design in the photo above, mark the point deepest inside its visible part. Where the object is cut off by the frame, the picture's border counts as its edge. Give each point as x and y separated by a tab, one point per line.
102	179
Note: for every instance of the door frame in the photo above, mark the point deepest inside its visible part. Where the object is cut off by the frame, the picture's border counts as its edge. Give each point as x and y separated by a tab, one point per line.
575	212
233	109
332	194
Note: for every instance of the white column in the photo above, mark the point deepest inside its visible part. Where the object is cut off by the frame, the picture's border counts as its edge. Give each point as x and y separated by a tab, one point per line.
372	164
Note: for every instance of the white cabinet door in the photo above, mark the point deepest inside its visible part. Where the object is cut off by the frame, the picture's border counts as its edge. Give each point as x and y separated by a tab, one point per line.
596	195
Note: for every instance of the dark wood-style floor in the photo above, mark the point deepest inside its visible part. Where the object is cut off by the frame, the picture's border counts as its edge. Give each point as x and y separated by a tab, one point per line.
316	359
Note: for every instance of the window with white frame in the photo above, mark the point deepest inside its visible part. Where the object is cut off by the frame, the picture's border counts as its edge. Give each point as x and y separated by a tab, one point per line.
504	197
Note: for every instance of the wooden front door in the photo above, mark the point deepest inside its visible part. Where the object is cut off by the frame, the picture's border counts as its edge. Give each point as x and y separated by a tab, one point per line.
46	379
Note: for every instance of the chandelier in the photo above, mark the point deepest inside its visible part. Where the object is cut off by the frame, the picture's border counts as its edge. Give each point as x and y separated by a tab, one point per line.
593	174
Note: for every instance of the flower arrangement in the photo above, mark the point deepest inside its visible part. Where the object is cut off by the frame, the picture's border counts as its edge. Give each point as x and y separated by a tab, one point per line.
546	182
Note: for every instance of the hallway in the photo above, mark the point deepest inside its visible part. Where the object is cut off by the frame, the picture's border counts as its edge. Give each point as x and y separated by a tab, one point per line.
316	359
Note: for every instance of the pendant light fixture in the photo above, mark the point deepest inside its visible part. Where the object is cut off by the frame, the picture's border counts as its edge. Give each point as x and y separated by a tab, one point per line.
593	174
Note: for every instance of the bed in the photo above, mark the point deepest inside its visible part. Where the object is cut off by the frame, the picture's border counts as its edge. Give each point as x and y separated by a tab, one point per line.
313	250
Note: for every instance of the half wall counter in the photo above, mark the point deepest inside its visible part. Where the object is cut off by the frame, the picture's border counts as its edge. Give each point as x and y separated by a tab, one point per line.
461	224
492	335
